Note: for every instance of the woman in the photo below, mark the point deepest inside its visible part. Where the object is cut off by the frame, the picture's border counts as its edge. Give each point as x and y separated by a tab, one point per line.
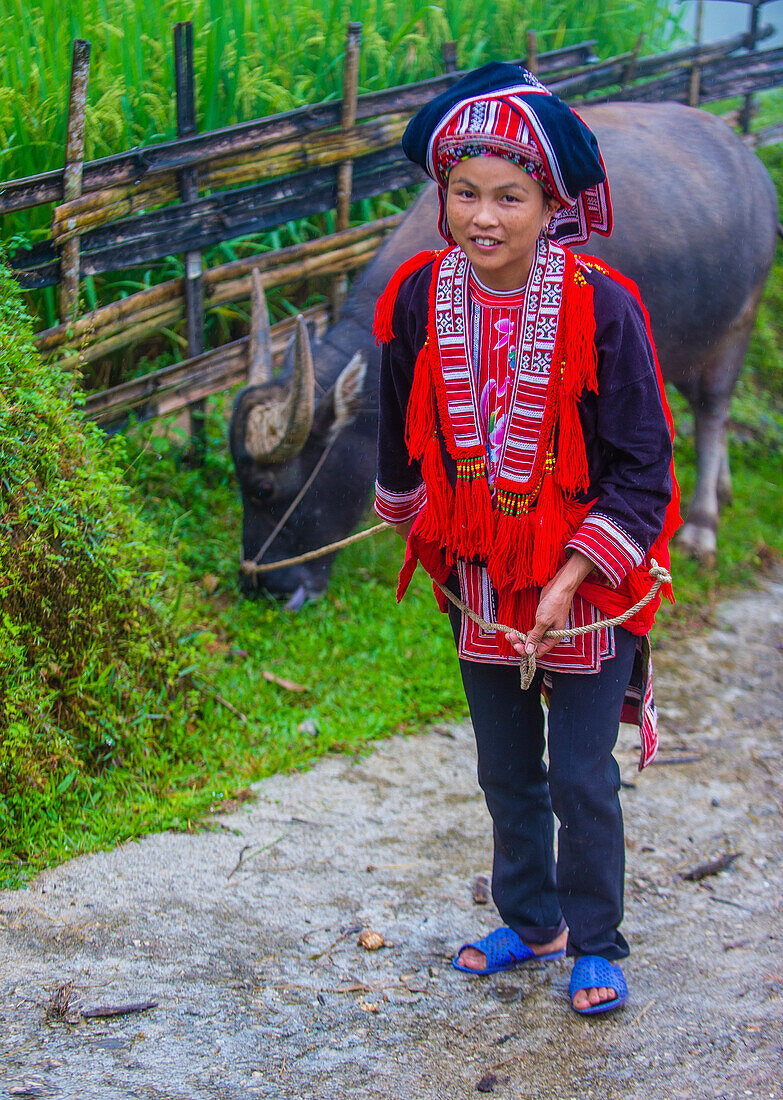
525	455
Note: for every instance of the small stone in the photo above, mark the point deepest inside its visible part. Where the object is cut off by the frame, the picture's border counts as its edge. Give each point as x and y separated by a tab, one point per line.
715	802
370	940
110	1044
506	993
480	890
487	1083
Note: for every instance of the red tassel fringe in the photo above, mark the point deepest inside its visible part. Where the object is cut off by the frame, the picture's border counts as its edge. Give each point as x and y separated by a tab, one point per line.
420	417
473	519
384	310
509	562
440	497
418	549
571	471
580	362
517	609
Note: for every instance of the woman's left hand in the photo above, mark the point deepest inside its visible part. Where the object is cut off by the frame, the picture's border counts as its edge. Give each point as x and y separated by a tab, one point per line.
553	606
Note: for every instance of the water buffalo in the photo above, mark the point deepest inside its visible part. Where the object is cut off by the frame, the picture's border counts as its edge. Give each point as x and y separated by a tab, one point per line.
695	227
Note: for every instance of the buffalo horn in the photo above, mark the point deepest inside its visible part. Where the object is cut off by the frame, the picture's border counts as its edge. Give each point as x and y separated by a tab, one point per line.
260	348
348	391
280	420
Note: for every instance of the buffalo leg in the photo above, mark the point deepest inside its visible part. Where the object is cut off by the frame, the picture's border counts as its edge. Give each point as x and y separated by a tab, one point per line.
698	536
725	491
710	398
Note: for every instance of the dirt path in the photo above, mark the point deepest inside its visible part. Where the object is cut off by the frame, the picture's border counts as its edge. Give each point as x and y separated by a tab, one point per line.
262	990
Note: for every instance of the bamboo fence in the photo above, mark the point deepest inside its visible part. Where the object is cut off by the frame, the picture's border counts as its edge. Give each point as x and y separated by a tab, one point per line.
187	195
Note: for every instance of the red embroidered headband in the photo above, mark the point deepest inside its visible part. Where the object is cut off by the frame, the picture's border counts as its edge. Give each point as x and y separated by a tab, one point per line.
502	110
489	128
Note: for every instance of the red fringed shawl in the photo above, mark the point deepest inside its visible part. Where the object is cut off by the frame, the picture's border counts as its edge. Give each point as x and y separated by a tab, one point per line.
521	533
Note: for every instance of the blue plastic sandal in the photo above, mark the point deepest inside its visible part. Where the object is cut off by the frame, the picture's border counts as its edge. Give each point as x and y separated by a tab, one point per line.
504	950
593	972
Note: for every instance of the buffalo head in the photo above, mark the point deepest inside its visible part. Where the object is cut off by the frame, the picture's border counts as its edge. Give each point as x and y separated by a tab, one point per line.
279	434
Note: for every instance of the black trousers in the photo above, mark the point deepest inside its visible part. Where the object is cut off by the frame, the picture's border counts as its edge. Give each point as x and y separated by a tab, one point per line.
583	890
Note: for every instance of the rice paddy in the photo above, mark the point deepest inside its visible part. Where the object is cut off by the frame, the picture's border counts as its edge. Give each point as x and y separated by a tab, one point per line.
257	59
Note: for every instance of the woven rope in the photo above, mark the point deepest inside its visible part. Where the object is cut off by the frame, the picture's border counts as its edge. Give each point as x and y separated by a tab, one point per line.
311	555
527	667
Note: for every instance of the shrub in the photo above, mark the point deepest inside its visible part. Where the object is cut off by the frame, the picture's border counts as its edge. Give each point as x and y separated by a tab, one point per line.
90	670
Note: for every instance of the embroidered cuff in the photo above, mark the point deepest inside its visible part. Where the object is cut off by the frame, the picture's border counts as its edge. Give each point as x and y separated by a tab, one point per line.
612	549
399	507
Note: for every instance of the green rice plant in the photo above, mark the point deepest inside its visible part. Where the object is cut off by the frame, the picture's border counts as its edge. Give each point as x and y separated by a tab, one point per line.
250	60
257	59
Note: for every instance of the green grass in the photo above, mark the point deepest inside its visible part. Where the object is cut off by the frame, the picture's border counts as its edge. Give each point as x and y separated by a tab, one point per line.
368	667
256	59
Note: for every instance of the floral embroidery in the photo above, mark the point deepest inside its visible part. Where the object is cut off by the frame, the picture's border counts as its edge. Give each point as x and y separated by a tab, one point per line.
506	331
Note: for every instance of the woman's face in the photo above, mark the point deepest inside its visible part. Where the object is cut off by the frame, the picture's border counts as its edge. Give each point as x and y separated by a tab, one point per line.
495	213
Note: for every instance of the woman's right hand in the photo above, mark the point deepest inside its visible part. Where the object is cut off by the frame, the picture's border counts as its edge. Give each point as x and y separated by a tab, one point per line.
404	529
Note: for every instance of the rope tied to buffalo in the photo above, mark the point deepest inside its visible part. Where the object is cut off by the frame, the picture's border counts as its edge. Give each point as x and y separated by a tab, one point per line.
527	667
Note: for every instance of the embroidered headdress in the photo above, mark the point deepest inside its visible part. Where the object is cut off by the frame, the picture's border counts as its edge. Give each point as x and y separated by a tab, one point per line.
505	111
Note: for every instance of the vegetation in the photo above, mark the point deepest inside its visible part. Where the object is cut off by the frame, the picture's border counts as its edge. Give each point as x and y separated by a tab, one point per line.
255	59
250	60
132	680
137	690
87	649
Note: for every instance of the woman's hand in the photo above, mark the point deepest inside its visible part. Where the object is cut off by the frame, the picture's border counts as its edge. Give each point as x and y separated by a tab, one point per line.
553	606
404	529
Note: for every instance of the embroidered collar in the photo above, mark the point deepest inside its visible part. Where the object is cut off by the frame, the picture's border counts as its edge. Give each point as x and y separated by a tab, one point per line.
536	334
485	296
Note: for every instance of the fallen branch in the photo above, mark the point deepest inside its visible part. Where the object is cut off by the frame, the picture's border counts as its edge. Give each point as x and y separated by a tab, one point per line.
734	904
247	847
354	928
281	681
711	867
101	1011
644	1010
230	706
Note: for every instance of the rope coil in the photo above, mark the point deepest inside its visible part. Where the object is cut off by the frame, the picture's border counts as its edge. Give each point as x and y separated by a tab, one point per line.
527	666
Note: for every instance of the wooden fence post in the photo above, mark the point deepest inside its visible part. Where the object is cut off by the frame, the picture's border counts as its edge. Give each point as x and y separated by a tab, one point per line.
449	57
185	84
531	61
753	29
345	170
72	175
695	85
629	72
